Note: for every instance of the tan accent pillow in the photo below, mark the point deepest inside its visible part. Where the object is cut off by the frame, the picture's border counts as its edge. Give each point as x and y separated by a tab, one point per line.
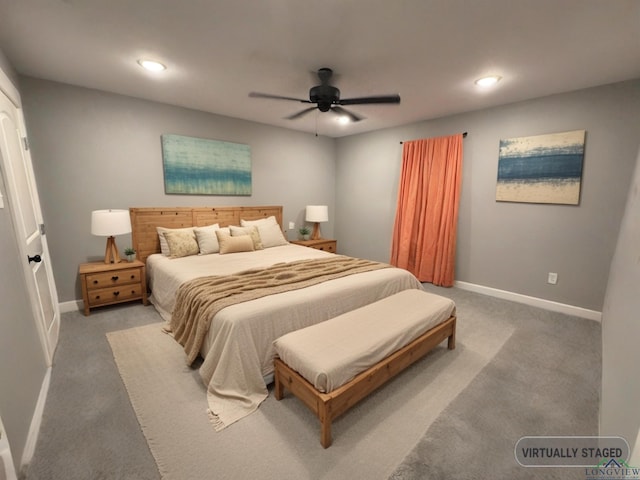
269	229
229	244
182	244
251	231
207	239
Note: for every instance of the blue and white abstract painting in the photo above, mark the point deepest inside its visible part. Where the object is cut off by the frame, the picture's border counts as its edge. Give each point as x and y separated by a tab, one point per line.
541	168
197	166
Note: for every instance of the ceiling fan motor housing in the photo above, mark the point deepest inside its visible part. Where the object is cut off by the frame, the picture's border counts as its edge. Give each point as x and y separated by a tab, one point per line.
324	96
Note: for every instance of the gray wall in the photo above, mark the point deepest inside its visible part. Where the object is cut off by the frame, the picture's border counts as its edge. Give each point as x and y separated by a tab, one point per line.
94	150
7	69
22	361
619	413
508	246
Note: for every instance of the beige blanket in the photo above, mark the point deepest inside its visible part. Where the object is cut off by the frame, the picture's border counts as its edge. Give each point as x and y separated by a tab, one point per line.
200	299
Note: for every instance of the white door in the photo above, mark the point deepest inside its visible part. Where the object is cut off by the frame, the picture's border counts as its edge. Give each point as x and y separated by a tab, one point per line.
24	203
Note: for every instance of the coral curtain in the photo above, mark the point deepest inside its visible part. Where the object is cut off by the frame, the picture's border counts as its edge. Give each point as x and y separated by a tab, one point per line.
424	236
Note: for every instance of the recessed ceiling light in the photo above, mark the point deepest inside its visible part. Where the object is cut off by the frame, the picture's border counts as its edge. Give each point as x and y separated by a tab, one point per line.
488	81
151	65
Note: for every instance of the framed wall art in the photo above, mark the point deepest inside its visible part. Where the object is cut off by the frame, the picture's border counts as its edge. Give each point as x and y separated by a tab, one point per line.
198	166
541	168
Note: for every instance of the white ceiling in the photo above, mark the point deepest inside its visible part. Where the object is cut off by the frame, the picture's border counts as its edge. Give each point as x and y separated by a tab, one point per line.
428	51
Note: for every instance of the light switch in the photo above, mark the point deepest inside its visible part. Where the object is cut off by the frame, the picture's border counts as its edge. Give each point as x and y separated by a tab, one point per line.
292	225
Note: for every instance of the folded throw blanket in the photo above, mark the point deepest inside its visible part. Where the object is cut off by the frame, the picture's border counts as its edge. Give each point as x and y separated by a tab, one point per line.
198	300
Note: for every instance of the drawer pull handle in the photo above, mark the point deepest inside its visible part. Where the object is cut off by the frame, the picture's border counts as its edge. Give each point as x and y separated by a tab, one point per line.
116	294
95	282
115	278
97	297
132	277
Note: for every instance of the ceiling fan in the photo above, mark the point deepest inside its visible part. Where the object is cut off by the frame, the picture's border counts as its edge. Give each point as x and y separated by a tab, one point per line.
327	98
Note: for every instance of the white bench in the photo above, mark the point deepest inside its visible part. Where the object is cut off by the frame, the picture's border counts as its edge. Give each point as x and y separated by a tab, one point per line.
333	365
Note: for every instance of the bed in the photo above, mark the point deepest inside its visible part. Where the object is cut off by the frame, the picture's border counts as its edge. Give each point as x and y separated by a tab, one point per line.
237	349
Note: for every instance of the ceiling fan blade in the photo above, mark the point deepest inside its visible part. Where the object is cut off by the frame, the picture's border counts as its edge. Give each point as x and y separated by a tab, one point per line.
365	100
343	111
300	113
276	97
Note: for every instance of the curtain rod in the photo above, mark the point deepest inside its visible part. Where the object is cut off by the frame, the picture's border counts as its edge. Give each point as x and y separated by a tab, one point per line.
464	135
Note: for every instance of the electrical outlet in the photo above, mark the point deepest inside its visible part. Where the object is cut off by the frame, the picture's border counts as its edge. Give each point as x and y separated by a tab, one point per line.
552	278
292	226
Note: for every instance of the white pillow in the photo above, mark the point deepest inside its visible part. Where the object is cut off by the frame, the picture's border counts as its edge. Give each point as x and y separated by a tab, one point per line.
269	229
261	221
164	246
207	239
251	231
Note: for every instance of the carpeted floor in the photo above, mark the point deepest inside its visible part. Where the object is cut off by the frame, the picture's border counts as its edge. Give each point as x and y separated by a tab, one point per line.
544	381
516	371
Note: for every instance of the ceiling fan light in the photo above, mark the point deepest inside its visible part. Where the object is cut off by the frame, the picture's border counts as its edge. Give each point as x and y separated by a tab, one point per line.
488	81
151	65
343	119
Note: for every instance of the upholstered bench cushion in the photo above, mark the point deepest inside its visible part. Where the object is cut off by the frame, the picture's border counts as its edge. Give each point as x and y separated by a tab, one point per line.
331	353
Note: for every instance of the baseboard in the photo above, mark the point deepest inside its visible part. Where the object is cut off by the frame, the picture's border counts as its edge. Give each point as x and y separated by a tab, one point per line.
533	301
72	306
34	428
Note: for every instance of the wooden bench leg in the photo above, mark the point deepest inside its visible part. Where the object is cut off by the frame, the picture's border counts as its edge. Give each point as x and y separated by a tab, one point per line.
325	425
451	343
278	387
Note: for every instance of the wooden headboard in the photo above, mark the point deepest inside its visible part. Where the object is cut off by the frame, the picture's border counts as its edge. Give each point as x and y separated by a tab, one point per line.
145	220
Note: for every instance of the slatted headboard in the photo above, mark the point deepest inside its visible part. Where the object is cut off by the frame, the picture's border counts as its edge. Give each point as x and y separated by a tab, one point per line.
145	220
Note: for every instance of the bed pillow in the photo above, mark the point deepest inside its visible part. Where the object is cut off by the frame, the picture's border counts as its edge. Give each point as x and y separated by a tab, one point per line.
251	231
270	231
261	221
164	246
207	239
229	244
181	244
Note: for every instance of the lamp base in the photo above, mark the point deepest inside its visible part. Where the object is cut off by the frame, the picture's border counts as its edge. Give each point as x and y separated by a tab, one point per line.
316	232
111	254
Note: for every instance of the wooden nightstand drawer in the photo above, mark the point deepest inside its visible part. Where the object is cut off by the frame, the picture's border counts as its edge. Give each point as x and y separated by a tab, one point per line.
101	280
321	244
329	246
121	293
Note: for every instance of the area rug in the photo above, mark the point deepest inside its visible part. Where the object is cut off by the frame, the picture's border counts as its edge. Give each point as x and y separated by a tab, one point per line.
282	439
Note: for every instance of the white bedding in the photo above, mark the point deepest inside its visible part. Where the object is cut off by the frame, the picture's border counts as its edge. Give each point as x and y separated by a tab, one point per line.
238	351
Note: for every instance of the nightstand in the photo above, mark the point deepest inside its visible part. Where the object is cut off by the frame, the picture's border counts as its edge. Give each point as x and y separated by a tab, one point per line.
110	283
320	244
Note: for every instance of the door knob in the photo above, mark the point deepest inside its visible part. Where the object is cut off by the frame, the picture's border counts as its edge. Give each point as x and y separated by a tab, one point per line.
35	258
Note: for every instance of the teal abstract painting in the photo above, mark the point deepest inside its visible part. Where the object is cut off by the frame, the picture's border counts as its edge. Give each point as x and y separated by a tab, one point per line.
541	168
198	166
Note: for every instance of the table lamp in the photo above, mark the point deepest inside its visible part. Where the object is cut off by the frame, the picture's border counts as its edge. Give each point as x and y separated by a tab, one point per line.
317	214
108	223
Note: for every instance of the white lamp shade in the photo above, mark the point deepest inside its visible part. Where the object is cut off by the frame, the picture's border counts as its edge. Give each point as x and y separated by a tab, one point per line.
107	223
317	213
